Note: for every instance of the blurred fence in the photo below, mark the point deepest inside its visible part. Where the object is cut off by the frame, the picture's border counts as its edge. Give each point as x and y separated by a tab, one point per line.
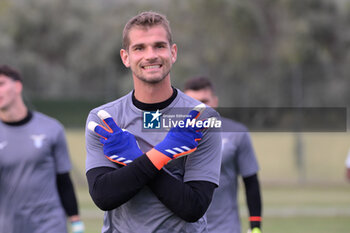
322	161
72	113
284	157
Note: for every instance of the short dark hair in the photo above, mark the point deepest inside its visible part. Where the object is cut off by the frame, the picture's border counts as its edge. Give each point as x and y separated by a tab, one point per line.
10	72
146	19
199	83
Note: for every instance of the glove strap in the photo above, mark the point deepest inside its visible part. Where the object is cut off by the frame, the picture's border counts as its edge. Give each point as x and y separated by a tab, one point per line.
157	158
255	222
255	218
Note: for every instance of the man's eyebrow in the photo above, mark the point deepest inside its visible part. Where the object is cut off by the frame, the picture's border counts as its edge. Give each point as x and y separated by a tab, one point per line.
155	43
160	43
138	45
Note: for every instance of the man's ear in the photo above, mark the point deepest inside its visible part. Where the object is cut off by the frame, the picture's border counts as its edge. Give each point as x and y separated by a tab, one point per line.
173	53
216	101
19	87
124	55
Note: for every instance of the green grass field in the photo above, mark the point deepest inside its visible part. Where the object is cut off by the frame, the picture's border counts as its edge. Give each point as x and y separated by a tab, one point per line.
317	203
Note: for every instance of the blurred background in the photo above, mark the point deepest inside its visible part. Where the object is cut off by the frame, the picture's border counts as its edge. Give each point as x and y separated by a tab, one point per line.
259	53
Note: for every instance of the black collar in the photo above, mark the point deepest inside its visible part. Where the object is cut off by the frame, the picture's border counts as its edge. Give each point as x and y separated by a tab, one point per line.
24	121
155	106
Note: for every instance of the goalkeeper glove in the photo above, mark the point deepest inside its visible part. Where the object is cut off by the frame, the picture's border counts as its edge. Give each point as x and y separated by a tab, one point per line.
77	227
254	230
179	141
119	146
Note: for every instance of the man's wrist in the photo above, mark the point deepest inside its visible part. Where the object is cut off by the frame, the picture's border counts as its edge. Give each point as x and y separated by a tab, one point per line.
255	222
157	158
74	218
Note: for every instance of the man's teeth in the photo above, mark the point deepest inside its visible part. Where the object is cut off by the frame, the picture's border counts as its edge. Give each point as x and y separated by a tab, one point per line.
152	67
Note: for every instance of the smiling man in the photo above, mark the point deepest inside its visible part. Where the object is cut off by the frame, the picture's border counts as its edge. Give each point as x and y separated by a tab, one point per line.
133	175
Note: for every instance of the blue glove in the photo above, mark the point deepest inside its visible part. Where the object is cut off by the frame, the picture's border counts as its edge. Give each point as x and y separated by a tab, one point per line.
179	141
77	227
119	146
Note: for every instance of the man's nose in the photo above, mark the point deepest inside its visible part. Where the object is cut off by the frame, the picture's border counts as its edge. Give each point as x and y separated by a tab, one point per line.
150	53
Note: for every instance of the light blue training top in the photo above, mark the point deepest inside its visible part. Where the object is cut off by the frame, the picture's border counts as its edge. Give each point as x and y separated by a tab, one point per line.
31	155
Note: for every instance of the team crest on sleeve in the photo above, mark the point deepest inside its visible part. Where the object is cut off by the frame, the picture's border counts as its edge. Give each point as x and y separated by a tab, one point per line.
152	120
38	139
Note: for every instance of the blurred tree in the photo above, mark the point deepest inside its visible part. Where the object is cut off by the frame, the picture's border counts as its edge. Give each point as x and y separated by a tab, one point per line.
260	52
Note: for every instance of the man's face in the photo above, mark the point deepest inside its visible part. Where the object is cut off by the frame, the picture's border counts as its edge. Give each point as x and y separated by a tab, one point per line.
205	96
10	91
149	56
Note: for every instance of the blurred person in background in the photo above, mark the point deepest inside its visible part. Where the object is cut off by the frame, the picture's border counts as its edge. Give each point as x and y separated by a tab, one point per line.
347	167
36	191
238	158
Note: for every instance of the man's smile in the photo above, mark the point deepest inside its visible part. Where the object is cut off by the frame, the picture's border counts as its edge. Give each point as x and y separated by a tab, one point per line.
148	67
